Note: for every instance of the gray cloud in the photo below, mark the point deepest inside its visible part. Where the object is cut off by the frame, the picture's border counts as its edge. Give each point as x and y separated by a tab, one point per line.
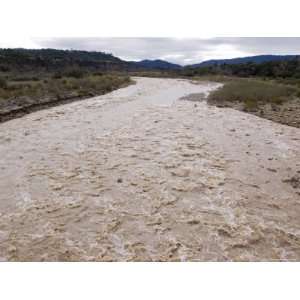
181	51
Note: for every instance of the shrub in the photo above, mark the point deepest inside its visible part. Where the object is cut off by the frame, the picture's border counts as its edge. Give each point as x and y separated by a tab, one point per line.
3	83
250	105
98	73
57	75
75	73
25	78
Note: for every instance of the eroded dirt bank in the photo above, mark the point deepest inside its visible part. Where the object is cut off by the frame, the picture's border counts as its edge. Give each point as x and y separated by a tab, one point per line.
139	175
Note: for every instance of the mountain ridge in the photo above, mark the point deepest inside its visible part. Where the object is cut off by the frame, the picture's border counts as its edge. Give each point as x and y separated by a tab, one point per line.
21	59
157	64
239	60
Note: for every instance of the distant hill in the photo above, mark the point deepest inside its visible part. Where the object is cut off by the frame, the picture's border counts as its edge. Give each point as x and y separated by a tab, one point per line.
18	61
157	64
242	60
271	66
55	60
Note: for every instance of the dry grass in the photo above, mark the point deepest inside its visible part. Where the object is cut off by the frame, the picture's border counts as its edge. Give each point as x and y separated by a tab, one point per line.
252	93
60	88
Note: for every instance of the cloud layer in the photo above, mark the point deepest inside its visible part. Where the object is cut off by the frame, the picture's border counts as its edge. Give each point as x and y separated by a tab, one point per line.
181	51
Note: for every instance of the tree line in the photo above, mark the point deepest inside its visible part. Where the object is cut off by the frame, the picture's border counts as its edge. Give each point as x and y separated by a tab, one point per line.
271	69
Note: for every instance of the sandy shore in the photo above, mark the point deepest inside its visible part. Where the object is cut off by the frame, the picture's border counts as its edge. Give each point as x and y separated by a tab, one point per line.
139	175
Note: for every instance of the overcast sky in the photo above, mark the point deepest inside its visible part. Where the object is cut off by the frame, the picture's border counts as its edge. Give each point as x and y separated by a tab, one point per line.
182	51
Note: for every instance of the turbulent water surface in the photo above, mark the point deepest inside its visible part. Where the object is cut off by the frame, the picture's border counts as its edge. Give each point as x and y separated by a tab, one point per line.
140	175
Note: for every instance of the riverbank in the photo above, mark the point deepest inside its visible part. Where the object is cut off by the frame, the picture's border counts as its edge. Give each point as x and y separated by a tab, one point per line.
21	98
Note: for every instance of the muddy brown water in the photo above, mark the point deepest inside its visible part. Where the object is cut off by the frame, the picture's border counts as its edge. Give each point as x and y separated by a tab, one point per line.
140	175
